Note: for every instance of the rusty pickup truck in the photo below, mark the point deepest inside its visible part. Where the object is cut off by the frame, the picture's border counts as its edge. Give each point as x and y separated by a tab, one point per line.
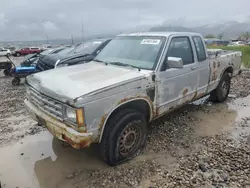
135	79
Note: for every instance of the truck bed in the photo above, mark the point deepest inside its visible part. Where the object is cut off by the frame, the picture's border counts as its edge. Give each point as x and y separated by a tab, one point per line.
213	53
220	60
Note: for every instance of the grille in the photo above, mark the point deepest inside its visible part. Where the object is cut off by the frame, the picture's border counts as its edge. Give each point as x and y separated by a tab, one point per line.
46	104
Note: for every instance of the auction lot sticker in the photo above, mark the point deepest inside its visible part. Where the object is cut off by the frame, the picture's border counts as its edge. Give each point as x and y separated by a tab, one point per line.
150	41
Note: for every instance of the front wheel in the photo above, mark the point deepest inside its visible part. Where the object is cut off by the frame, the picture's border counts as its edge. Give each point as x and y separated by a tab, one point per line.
124	137
18	54
220	94
16	81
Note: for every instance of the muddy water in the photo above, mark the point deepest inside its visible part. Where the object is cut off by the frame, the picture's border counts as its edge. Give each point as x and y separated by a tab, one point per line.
42	161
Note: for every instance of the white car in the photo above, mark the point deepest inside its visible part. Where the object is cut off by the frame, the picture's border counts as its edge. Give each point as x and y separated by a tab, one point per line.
4	52
238	43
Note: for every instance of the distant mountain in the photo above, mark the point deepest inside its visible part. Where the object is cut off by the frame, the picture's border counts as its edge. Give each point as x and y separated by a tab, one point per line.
230	30
171	29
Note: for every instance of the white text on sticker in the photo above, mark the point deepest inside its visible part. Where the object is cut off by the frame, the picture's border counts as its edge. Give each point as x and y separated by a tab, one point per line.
150	41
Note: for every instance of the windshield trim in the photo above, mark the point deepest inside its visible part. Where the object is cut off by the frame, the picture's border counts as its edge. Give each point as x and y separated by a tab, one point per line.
158	57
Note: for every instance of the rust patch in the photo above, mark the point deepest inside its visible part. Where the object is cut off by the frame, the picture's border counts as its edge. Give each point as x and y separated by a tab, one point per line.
171	108
214	76
83	143
185	91
104	117
154	111
195	95
200	95
214	64
151	93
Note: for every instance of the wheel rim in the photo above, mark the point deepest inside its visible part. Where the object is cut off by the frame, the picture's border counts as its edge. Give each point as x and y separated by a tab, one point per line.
129	140
224	88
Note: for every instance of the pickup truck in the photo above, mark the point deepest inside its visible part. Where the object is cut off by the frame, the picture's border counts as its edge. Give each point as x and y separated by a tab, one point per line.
135	79
26	51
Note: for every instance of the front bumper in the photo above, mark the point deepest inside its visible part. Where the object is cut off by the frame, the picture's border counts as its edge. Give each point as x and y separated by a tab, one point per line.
58	129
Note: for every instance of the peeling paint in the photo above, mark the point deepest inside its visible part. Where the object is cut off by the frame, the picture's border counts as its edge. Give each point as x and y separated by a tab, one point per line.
151	93
103	119
185	91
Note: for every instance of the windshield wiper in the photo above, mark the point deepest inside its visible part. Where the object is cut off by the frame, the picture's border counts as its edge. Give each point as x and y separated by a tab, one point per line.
98	60
123	64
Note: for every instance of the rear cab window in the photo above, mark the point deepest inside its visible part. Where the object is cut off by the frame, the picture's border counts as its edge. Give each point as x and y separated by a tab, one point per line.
200	49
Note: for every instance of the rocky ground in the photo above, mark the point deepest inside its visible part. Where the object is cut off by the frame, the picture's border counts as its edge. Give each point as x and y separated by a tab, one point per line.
14	119
199	145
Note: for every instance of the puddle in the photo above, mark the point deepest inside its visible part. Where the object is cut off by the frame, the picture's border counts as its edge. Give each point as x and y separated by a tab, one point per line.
218	119
42	161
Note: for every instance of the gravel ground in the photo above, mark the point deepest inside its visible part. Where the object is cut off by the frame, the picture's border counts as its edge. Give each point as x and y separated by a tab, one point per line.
15	121
199	145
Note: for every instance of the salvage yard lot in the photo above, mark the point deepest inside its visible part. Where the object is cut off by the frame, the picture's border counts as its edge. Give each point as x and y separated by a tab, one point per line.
200	145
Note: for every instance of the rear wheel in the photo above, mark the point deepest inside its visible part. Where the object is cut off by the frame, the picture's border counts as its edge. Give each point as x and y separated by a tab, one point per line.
220	94
16	81
6	72
124	137
18	54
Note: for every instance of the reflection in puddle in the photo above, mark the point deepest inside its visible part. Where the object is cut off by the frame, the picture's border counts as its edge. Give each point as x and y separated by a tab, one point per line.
43	161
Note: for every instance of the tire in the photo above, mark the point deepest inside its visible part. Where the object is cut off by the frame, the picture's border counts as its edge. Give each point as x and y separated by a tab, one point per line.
16	81
6	72
8	55
124	137
220	94
18	54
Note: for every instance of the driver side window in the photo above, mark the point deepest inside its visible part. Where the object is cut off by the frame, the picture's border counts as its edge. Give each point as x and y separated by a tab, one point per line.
180	47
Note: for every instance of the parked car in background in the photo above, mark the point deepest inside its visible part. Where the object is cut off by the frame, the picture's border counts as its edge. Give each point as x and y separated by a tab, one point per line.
26	51
135	79
33	58
4	52
238	43
82	53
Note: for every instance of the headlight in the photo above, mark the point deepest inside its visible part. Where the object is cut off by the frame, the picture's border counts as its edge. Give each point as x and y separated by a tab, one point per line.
75	115
71	114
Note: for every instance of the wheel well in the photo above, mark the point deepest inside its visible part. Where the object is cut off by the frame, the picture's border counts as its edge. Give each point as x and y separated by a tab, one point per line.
228	70
139	105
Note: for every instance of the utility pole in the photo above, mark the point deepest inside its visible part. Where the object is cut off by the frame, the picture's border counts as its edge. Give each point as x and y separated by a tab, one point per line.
47	39
82	31
72	40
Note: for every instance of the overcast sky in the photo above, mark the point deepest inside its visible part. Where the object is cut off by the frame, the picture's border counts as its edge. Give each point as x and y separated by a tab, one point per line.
31	19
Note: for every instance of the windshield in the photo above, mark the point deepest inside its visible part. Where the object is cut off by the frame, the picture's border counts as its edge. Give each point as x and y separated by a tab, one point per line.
87	47
136	51
45	52
66	50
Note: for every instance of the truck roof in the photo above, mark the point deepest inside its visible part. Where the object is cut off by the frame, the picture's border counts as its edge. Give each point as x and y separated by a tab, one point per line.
162	34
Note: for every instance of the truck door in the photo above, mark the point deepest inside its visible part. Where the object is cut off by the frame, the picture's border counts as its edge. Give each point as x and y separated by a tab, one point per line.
177	86
202	65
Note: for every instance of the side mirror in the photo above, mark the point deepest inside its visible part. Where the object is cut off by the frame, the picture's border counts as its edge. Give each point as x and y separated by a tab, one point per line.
174	62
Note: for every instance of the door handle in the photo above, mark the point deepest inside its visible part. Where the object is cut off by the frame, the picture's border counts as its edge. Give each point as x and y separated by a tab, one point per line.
193	68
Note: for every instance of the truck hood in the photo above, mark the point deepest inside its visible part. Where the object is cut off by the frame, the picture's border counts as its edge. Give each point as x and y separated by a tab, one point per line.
68	83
